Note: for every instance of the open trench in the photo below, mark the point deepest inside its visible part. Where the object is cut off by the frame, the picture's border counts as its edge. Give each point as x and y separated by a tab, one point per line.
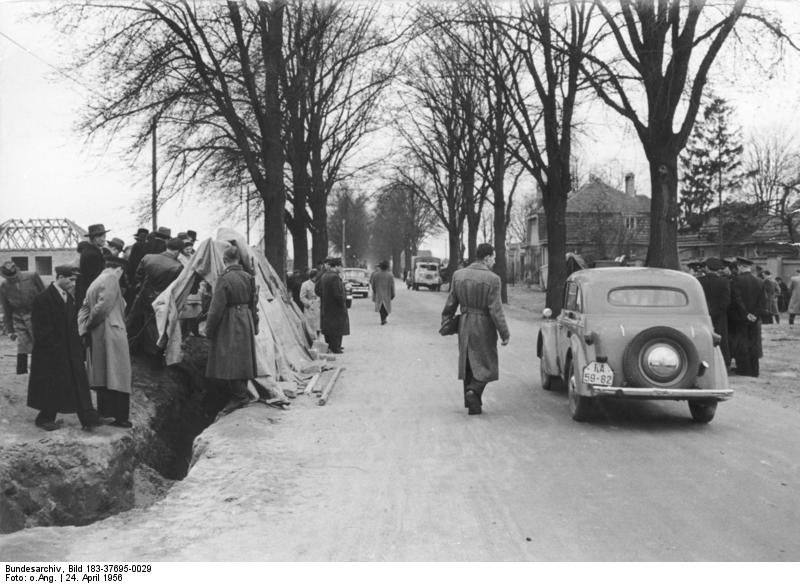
88	478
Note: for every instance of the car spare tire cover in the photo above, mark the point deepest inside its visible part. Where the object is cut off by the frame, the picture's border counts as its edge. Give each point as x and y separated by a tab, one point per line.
636	372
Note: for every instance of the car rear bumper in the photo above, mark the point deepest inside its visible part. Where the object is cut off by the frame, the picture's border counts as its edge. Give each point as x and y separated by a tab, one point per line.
660	393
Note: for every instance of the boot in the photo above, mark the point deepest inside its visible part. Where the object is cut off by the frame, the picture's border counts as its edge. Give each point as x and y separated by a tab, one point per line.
22	363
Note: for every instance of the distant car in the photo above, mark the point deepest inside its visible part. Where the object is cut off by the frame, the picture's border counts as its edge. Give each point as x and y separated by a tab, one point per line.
640	333
359	281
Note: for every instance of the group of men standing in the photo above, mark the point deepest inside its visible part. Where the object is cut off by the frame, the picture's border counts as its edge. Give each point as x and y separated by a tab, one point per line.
77	329
738	302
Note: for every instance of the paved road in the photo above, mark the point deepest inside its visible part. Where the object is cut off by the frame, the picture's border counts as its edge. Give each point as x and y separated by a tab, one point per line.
393	469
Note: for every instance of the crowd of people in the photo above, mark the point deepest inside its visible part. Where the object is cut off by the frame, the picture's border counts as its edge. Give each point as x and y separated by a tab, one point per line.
742	297
82	329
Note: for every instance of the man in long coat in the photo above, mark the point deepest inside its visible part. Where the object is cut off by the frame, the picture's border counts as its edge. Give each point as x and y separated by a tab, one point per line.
476	289
231	329
101	318
58	381
91	261
750	304
334	321
383	290
17	291
717	289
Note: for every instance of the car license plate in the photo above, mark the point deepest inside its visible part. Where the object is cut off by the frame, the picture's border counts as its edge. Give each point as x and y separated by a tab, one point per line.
598	374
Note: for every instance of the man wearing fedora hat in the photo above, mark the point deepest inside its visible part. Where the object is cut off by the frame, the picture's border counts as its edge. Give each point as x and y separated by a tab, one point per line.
17	291
157	240
101	320
334	321
750	304
58	381
115	246
717	289
91	259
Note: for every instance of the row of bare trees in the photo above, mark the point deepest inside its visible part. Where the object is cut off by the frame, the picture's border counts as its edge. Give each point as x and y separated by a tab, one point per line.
280	93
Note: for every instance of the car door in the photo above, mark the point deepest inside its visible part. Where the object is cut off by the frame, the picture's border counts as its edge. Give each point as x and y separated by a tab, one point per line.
569	320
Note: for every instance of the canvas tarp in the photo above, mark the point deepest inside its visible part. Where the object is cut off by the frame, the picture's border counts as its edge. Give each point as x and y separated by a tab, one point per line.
283	341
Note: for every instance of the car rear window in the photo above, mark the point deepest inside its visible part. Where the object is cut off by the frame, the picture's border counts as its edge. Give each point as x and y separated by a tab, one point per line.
647	296
429	267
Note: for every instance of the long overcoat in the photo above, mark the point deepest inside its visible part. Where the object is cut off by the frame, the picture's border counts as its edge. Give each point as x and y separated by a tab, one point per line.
383	290
58	377
476	289
717	290
334	319
17	296
310	302
794	299
102	315
748	297
230	326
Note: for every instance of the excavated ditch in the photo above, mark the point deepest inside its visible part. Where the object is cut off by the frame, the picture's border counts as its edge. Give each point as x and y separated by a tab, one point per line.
74	478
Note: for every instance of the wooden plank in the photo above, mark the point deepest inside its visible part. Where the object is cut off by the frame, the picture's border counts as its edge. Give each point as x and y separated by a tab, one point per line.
310	387
329	388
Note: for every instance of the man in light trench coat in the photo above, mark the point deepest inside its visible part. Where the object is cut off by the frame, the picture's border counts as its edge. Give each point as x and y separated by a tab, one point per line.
101	320
477	290
382	283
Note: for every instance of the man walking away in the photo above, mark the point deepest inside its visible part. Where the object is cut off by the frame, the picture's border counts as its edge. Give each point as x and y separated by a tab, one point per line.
101	320
383	290
334	321
17	291
476	289
58	381
231	330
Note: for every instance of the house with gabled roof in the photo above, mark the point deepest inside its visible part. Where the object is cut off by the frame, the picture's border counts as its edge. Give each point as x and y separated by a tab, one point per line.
603	224
38	245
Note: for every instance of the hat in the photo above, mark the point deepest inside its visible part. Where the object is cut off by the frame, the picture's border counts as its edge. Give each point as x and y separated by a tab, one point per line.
67	270
175	244
191	235
714	264
694	265
333	262
163	232
744	261
9	269
182	235
141	232
117	242
115	262
95	230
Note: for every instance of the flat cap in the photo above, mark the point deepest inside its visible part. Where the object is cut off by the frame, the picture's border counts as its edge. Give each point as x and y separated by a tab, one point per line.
67	270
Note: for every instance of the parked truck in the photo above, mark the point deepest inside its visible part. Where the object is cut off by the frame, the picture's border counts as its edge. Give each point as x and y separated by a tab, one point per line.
425	271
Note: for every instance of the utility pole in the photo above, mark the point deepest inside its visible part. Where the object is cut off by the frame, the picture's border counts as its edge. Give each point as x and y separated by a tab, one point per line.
154	196
344	248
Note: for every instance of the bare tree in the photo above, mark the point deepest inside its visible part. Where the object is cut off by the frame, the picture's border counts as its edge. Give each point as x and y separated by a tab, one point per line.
667	49
773	177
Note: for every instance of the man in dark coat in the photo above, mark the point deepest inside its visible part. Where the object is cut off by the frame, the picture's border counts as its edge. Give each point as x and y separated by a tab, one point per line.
231	329
17	291
334	321
717	289
92	260
477	290
382	283
58	381
750	303
155	272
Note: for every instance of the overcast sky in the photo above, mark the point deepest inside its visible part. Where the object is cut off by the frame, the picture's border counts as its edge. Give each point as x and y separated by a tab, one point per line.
46	171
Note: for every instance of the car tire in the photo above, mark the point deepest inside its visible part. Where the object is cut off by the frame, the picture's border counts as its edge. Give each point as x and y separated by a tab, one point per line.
702	412
631	359
549	382
580	406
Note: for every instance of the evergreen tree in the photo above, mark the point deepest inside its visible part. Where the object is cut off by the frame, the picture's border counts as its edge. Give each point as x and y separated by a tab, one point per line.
711	163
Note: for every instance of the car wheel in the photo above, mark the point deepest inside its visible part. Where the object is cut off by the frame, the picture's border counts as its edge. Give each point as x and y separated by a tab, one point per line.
580	406
702	412
661	357
549	382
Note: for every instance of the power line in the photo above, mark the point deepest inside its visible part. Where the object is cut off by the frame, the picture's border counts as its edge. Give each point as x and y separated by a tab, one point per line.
46	62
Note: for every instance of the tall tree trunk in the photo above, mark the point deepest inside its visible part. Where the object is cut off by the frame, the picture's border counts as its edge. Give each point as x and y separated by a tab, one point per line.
299	226
662	251
454	247
274	195
555	208
397	269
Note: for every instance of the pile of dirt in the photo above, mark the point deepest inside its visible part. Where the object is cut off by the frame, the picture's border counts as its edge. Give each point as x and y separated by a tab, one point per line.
73	477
